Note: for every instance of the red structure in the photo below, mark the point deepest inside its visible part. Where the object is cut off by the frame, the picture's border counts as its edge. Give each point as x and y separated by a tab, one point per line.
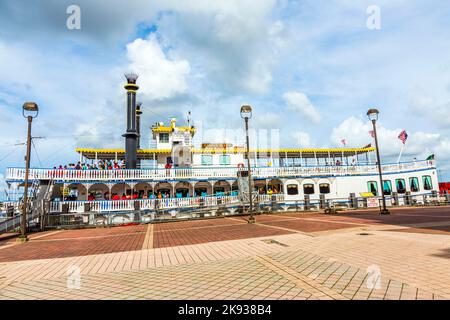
444	187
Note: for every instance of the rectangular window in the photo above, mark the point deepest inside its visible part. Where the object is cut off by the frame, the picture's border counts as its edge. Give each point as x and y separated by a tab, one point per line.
387	187
308	189
372	187
207	159
292	189
324	188
224	159
414	184
164	138
427	183
401	185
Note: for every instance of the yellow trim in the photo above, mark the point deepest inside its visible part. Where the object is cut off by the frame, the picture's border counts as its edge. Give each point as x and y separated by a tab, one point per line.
232	150
131	86
163	129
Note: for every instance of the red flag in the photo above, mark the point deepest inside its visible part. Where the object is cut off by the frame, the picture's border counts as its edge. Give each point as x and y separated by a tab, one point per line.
344	142
372	133
403	136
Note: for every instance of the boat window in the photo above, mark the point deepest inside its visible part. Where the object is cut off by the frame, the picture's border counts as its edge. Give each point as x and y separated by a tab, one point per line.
182	192
292	189
200	192
224	159
324	188
164	137
387	187
414	184
207	159
427	183
401	185
308	189
372	186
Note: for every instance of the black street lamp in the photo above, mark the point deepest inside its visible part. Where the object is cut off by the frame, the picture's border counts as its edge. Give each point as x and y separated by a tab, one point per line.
246	113
373	116
30	110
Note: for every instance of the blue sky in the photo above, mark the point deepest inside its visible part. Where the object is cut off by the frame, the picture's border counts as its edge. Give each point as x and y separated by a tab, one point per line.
310	69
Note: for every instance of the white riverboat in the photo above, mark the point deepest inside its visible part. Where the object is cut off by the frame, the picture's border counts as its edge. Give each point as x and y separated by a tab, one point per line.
209	173
178	176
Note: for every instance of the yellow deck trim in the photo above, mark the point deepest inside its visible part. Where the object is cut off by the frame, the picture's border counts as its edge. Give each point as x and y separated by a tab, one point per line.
233	150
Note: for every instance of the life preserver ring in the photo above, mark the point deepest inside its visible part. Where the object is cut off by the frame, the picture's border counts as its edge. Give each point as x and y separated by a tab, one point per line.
240	165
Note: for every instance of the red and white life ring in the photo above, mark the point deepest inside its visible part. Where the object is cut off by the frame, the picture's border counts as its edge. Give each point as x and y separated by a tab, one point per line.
240	165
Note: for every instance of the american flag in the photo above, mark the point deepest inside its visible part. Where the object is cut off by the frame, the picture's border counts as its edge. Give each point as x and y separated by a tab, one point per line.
403	136
344	142
372	133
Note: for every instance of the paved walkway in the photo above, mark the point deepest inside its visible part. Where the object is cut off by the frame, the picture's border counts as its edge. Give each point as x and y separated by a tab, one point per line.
357	255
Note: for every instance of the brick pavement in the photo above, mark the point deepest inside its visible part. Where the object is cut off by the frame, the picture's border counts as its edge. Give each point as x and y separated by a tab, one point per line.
228	259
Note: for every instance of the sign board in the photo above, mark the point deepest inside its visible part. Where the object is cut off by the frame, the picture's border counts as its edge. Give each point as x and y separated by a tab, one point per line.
366	194
243	187
372	202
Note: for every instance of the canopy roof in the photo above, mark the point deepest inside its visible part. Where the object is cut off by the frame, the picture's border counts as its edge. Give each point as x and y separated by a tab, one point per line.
149	154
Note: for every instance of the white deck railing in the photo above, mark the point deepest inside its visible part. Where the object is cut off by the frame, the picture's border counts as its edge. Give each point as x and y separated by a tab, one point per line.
206	172
144	204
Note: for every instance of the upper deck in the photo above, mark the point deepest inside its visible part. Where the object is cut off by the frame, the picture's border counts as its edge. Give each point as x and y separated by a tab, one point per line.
205	172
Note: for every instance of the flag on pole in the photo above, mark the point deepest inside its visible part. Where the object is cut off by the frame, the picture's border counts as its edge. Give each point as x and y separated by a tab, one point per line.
403	136
372	133
344	142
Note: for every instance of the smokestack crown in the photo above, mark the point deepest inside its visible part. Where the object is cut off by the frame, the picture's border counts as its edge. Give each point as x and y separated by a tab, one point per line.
131	77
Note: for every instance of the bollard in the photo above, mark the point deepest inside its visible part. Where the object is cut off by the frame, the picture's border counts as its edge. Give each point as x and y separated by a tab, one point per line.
435	196
353	201
307	202
408	198
322	201
65	208
394	199
273	200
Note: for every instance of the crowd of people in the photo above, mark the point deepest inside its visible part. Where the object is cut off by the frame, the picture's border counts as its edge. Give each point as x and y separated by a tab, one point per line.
269	191
102	165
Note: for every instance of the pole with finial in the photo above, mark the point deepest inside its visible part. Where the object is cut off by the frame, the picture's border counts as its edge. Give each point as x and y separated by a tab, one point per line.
131	135
138	123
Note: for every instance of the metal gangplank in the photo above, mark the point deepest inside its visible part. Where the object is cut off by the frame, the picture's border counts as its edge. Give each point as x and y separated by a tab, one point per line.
39	194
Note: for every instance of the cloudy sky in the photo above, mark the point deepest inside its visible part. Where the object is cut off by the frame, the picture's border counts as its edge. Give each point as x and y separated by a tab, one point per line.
310	69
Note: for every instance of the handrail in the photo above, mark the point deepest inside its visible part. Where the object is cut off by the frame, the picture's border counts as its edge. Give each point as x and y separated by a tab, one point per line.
206	172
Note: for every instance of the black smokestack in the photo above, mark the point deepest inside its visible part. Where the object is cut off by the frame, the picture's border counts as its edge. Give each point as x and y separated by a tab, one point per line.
131	135
138	123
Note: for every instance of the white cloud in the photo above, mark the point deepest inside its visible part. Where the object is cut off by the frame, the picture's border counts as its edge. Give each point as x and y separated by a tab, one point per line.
159	76
232	42
436	107
300	103
419	144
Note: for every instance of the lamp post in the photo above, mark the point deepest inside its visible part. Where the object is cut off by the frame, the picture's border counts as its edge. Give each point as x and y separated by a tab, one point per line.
30	110
372	114
246	113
